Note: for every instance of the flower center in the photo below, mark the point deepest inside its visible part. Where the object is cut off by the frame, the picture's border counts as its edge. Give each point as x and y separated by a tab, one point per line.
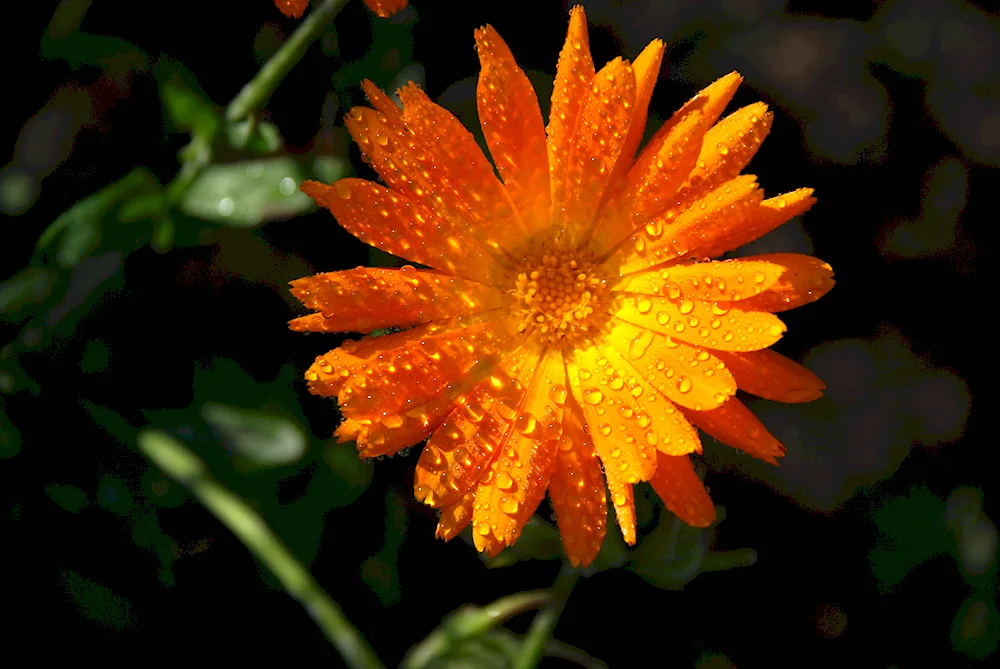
557	296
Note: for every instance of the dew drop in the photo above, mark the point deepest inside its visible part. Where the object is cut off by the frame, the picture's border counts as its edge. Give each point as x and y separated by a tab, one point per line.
509	505
504	481
592	396
684	384
643	305
557	394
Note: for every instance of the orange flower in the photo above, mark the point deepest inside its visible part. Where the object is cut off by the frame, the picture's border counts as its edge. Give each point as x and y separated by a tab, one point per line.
569	328
384	8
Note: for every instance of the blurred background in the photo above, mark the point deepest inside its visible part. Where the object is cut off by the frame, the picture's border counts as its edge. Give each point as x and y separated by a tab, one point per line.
136	293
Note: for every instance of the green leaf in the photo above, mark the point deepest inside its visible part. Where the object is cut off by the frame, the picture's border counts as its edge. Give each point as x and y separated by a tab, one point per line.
77	232
184	102
246	194
254	136
96	602
29	287
68	497
265	440
114	496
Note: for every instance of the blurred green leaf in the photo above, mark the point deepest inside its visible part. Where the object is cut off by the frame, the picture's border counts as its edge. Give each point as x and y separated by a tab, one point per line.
352	475
330	168
912	531
10	438
78	49
184	102
460	637
115	496
249	193
539	541
254	136
68	497
77	232
96	602
976	630
265	440
30	286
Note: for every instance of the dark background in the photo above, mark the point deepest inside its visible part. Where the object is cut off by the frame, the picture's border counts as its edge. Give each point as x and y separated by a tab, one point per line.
873	538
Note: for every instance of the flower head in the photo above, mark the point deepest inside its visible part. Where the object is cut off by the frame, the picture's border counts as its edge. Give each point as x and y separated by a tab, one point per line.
383	8
569	330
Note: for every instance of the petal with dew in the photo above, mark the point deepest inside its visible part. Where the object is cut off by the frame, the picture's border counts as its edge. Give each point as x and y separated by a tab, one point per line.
576	489
770	375
682	491
512	125
804	279
403	227
646	67
515	483
368	298
574	74
735	425
455	517
730	206
710	324
686	375
601	131
725	280
459	452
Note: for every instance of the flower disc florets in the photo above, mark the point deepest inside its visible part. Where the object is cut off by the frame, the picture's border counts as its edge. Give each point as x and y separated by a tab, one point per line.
560	295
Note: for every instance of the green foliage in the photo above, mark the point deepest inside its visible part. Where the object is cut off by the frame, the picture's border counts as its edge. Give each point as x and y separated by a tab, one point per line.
68	497
97	603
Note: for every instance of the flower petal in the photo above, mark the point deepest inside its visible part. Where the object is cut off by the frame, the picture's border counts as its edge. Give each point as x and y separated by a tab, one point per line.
713	238
515	483
576	489
293	9
710	101
385	8
574	74
770	375
735	425
647	70
623	499
648	188
686	375
403	227
604	123
368	298
459	452
455	517
710	324
512	124
804	279
682	491
728	280
730	207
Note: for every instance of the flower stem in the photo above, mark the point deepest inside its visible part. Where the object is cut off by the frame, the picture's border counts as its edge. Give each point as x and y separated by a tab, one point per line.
176	460
260	88
544	623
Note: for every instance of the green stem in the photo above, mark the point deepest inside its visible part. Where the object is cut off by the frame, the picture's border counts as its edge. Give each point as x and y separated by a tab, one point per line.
544	623
176	460
260	88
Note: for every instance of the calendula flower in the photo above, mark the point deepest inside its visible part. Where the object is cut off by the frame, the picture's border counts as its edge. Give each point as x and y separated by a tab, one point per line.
568	328
383	8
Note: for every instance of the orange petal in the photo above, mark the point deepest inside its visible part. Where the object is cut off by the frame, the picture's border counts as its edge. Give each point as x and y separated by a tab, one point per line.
385	8
515	483
622	430
647	70
728	147
726	234
403	227
293	9
735	425
455	517
604	123
512	124
682	491
710	101
328	374
735	279
475	191
424	367
686	375
710	324
770	375
650	185
729	207
576	489
572	83
368	298
804	279
459	452
623	499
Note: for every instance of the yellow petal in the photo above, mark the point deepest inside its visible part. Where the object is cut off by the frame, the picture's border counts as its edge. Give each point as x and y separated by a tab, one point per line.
803	279
725	280
647	70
